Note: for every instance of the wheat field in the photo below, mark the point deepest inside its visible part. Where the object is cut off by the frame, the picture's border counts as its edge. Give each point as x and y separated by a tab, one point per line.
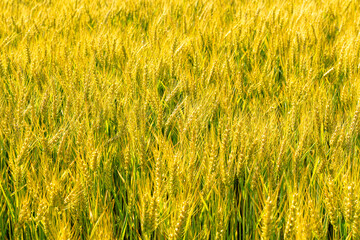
179	119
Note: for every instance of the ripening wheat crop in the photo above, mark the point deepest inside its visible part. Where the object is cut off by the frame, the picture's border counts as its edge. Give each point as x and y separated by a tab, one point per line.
179	119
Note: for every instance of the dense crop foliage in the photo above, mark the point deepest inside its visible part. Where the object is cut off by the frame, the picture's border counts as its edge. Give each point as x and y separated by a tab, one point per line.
189	119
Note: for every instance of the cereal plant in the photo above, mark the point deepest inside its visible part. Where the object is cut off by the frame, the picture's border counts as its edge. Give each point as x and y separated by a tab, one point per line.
179	119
